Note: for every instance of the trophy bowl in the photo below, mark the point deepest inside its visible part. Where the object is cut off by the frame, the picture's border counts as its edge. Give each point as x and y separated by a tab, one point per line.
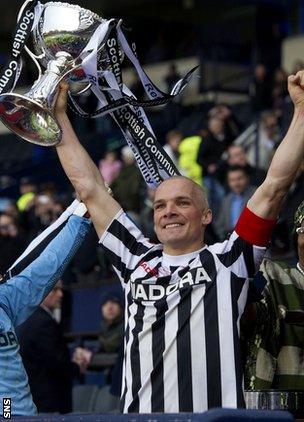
28	119
65	27
62	32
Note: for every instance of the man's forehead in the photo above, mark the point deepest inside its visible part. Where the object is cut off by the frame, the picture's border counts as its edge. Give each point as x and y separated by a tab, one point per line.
174	187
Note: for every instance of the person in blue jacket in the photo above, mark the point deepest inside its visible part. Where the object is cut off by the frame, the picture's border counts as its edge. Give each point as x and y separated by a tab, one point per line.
22	293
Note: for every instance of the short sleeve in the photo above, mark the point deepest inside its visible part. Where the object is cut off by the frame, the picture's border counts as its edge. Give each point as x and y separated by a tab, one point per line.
124	245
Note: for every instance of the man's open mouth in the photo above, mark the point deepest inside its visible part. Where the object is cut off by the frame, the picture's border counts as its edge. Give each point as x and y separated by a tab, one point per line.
172	225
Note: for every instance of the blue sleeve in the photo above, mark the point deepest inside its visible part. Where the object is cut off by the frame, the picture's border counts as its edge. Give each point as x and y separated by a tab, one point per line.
20	295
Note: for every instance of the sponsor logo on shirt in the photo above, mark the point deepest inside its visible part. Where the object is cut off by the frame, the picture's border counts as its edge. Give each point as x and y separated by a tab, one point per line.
8	339
148	269
152	292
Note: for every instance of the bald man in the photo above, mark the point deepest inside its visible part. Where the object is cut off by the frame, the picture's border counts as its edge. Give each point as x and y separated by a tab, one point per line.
183	298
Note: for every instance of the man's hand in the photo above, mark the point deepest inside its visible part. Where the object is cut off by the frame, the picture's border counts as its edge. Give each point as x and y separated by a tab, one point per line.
296	89
62	98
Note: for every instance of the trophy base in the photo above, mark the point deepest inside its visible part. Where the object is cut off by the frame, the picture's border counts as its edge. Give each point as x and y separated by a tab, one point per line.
29	120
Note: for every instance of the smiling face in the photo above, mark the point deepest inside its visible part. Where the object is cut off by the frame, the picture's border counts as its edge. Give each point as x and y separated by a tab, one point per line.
181	215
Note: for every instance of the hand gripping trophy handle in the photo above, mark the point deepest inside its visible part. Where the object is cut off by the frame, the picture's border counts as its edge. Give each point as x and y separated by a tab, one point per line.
30	116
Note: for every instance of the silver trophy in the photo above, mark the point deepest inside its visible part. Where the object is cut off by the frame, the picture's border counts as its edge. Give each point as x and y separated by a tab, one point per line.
61	34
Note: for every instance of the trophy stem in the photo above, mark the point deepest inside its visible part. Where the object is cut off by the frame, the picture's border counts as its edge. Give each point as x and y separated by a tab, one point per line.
43	91
30	116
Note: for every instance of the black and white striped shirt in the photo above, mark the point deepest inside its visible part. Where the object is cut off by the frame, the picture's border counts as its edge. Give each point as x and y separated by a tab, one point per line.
182	319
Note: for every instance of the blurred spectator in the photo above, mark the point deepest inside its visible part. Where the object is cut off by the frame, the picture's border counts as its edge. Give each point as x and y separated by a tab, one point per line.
6	181
12	241
269	137
112	323
28	190
46	357
279	91
233	203
48	189
44	211
146	220
110	337
187	162
273	327
209	156
4	203
260	89
212	147
231	125
172	77
128	184
173	140
12	210
109	166
237	157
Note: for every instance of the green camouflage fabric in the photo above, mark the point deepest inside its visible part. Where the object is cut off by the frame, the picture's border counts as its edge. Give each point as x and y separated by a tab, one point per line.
274	349
299	216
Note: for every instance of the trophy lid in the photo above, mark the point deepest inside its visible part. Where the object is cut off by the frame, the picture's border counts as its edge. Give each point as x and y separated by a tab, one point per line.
78	9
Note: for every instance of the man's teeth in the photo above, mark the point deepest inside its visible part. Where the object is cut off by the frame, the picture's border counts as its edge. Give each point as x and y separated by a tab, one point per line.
168	226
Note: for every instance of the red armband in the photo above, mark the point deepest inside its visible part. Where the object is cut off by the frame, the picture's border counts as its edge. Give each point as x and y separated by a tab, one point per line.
254	229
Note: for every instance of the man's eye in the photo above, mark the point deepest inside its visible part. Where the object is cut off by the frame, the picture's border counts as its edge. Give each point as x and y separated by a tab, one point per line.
158	206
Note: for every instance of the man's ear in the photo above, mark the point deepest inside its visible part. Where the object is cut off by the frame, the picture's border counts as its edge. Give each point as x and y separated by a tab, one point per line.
206	217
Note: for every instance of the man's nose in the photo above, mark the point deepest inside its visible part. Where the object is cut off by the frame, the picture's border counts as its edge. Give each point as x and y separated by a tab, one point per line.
170	209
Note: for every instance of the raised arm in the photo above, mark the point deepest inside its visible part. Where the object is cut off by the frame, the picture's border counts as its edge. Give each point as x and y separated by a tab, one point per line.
267	199
21	294
81	170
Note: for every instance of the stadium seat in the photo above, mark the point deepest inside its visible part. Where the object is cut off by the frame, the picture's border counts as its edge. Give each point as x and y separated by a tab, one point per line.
84	398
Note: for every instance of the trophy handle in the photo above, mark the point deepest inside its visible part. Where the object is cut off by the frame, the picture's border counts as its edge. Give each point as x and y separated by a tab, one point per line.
34	58
29	52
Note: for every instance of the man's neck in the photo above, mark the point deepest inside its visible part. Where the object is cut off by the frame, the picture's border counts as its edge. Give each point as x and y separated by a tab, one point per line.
182	250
